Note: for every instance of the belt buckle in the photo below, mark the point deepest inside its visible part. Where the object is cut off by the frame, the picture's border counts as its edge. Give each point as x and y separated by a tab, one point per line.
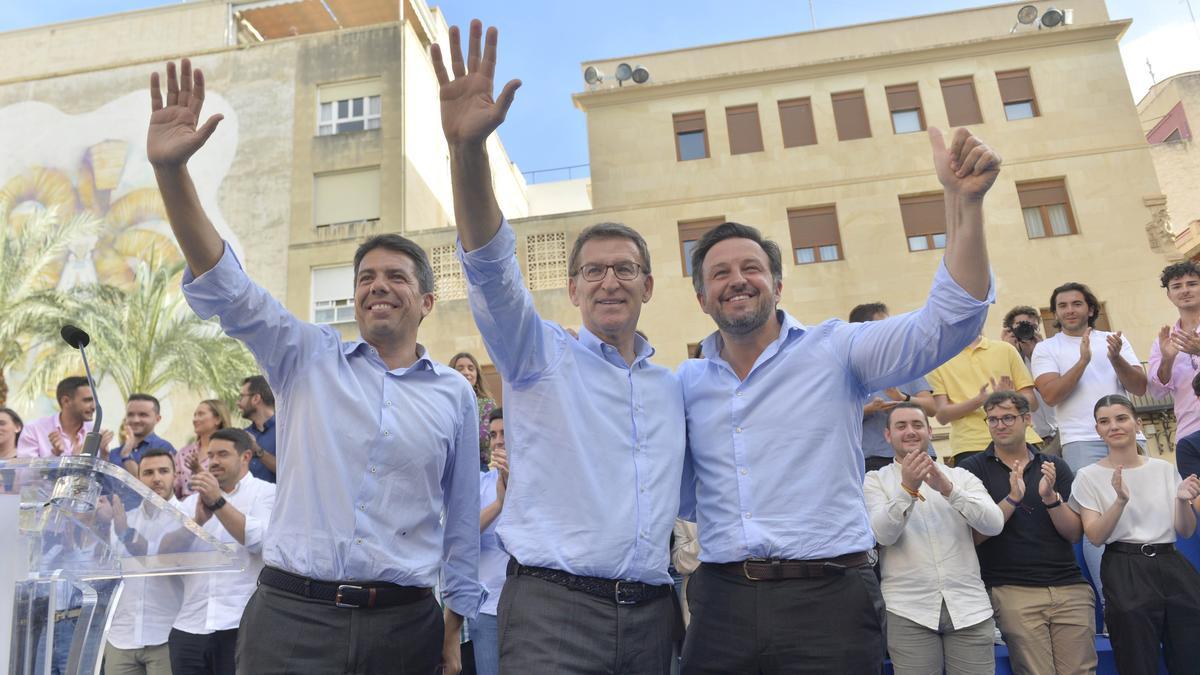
337	599
1149	550
617	595
746	567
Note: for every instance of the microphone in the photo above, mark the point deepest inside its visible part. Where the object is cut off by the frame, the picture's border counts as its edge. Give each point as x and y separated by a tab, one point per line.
78	338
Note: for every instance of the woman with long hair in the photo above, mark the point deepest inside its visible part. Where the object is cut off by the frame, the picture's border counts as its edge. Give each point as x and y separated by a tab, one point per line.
10	432
1135	505
210	416
468	365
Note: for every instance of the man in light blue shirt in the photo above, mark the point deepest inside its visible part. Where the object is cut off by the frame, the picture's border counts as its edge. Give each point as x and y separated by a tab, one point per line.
775	466
378	479
597	430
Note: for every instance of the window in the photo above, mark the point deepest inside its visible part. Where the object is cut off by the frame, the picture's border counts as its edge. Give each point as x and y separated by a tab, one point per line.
546	260
691	137
815	236
690	232
346	197
1046	208
962	106
850	115
348	106
924	218
333	294
448	280
796	120
1016	90
904	102
744	132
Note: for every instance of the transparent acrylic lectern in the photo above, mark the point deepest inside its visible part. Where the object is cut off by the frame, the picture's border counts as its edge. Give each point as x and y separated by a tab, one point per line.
71	528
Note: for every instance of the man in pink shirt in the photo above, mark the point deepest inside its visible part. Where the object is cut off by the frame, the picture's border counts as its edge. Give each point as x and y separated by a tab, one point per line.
1175	355
63	434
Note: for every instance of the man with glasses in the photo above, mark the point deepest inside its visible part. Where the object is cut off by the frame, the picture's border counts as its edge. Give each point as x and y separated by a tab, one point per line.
598	431
1044	607
257	404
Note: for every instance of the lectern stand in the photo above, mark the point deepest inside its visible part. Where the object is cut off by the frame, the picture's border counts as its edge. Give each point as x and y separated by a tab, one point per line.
65	545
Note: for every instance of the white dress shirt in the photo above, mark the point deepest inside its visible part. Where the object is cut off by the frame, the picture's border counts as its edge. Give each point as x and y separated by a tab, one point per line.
927	554
149	604
215	601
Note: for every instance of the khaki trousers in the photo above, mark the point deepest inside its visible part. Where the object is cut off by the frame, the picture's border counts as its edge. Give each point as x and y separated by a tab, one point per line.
154	660
1048	629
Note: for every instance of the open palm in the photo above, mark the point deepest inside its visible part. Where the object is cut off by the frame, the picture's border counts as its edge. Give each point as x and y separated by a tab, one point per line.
968	167
173	136
469	112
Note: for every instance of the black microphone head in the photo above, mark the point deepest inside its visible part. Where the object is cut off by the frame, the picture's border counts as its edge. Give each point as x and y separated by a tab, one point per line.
75	336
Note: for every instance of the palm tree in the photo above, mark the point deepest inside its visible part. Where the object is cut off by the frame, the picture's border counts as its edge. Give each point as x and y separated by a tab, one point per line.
146	339
31	253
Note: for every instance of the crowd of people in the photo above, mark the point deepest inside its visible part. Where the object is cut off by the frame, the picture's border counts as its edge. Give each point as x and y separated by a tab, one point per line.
787	471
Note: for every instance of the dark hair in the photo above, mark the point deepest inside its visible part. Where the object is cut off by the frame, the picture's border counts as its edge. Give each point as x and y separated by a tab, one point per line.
481	390
241	439
731	231
399	244
1018	311
258	385
608	231
497	414
1088	297
67	386
1001	397
1113	399
867	311
1196	384
1183	268
16	420
146	397
905	405
157	452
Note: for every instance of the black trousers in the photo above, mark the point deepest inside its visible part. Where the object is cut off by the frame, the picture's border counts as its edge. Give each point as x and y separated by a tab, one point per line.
1150	602
210	654
815	626
282	633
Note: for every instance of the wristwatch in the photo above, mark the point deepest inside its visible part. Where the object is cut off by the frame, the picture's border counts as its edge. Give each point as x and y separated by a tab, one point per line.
907	397
1057	503
216	505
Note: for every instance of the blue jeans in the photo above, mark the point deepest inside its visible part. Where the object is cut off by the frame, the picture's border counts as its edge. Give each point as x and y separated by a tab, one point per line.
485	641
64	630
1079	454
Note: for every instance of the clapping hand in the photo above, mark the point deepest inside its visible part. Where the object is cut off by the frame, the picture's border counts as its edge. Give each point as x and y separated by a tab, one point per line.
1119	485
1186	342
1189	489
1046	485
1016	480
1114	346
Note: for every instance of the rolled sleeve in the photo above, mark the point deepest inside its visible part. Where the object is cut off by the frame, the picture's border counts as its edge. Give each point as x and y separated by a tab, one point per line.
1158	388
258	517
461	590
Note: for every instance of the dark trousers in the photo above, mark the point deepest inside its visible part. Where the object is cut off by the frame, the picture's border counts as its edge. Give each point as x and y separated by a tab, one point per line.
1148	602
210	654
285	633
814	626
546	628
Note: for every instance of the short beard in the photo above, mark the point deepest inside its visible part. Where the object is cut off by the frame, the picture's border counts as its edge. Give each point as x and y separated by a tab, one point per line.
746	324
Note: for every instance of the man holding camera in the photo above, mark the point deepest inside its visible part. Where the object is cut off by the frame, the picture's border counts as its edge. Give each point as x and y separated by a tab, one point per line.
1022	329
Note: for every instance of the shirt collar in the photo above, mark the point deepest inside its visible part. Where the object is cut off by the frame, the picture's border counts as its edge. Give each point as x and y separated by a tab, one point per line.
990	452
641	347
789	326
350	347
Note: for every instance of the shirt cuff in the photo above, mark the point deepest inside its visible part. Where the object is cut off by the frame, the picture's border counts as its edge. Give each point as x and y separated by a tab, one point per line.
491	260
461	602
953	302
211	291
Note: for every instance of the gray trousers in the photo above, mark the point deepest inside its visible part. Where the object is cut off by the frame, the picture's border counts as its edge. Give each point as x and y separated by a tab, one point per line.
917	650
546	628
285	633
154	660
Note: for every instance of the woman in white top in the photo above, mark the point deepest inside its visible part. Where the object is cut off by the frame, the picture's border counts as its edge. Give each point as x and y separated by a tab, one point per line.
1137	505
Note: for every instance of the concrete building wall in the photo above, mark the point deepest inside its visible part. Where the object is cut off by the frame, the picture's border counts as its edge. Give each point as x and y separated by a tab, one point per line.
1177	162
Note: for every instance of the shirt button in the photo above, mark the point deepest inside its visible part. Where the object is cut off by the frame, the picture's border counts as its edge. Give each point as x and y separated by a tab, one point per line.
739	393
358	541
643	488
738	429
363	507
373	469
388	433
387	402
745	471
746	515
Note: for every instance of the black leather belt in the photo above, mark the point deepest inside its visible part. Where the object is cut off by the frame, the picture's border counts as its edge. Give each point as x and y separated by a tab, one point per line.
351	594
778	570
1148	550
67	614
620	592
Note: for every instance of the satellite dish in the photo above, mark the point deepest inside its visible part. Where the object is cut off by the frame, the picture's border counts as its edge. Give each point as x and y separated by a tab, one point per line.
1027	15
624	72
640	74
1051	18
592	75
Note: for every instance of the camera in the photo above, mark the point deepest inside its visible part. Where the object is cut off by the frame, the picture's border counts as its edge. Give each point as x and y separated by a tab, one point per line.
1024	331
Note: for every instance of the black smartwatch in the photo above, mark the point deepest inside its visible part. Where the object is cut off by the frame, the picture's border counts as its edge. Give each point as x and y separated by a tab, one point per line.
216	505
907	398
1057	503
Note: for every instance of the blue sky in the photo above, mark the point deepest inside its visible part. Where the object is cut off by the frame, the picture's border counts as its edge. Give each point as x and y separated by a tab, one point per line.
543	41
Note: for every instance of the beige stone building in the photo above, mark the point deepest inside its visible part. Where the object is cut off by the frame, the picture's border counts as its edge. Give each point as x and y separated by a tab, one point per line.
1165	112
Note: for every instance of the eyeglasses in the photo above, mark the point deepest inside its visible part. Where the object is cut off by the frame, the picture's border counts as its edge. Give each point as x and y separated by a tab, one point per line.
625	271
1005	421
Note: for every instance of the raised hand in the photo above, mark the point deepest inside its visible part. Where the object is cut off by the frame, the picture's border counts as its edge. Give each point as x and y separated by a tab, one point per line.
1189	489
193	463
1046	485
1167	345
469	113
1005	383
968	167
1119	486
173	136
1016	481
1114	346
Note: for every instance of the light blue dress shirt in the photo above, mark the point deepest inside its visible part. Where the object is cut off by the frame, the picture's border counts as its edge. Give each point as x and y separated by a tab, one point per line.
369	458
493	561
775	462
595	446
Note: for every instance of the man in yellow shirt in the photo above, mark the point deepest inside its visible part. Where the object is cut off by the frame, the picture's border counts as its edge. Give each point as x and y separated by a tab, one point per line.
962	384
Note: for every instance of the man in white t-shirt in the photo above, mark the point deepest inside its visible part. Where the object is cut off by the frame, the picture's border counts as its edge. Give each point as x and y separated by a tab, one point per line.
1074	369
